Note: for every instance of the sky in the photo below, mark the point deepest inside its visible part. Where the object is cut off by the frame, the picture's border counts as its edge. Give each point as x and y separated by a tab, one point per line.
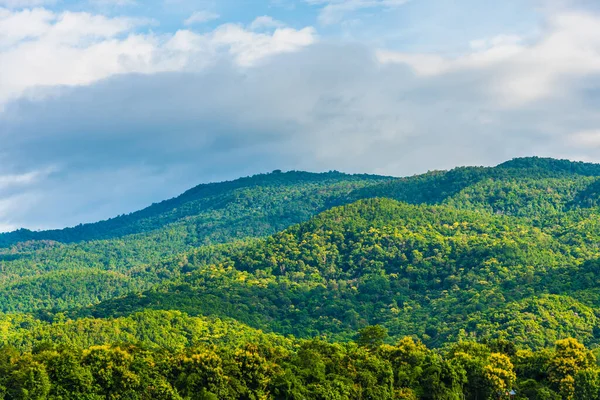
107	106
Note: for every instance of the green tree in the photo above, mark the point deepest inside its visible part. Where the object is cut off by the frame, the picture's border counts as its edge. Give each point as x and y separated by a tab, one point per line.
372	336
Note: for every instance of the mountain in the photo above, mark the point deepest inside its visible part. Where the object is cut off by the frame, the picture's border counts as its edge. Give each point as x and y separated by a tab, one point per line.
259	200
209	220
515	187
268	194
74	266
460	284
432	271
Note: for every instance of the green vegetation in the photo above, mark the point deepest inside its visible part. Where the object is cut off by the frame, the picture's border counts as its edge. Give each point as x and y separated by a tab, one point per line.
267	202
269	367
133	252
471	282
432	271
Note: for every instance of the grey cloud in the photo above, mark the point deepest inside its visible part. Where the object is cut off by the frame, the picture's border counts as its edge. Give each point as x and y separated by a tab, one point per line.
127	141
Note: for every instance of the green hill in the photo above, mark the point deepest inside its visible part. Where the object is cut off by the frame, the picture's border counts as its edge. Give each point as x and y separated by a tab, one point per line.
457	284
48	274
432	271
260	200
47	271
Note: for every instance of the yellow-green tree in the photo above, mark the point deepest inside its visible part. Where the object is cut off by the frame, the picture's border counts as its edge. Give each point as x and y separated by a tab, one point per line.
500	374
570	357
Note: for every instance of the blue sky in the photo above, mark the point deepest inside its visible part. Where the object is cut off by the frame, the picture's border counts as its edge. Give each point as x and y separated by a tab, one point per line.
416	25
109	105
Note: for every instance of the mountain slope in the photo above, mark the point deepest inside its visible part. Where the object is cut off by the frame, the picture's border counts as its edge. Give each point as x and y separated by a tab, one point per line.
497	268
497	235
433	271
529	187
46	273
216	200
212	201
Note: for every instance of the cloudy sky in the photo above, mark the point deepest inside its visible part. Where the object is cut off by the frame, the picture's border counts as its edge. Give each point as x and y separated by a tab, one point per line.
109	105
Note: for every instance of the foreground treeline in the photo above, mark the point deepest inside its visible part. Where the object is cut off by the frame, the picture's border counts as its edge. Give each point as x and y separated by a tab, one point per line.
312	369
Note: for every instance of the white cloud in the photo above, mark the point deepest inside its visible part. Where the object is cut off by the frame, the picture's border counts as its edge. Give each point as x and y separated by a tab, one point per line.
265	22
495	42
116	3
16	26
423	64
249	47
49	28
10	180
235	101
43	48
523	72
200	17
19	194
334	11
322	107
12	208
487	53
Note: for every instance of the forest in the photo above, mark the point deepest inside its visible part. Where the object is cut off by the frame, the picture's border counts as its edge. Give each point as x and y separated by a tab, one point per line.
474	283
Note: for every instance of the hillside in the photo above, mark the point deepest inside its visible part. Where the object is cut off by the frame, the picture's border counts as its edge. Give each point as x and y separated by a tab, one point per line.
46	274
264	195
454	283
384	262
52	272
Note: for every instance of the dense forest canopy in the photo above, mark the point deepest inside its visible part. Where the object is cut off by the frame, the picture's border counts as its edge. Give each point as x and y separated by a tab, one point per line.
476	283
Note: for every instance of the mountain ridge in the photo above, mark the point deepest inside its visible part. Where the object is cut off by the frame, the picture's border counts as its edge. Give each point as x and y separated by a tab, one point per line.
93	230
542	191
447	285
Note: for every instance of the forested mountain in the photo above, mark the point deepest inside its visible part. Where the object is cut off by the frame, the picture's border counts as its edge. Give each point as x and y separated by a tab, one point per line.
433	271
268	202
466	283
52	272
